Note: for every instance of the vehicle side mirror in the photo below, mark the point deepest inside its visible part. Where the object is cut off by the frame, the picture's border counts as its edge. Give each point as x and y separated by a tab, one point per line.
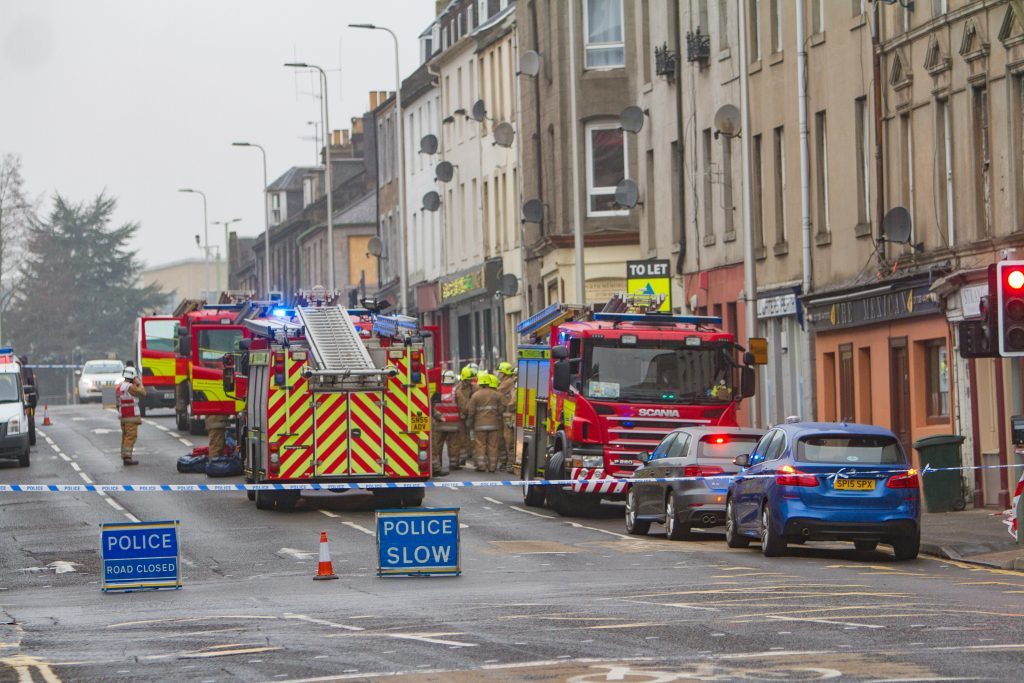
748	382
561	375
185	345
228	380
742	460
243	344
644	456
559	353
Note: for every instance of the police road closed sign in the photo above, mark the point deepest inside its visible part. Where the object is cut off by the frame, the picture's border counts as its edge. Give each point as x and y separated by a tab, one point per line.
418	542
650	278
140	556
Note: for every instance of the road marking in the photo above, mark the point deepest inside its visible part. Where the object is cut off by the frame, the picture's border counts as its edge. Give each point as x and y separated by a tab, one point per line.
359	527
23	664
132	518
101	431
187	443
430	638
226	653
577	525
328	513
322	622
826	621
491	500
75	467
114	504
641	624
87	480
297	554
64	457
531	512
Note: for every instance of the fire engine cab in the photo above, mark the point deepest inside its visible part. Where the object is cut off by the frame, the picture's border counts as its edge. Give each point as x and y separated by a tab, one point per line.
598	389
333	396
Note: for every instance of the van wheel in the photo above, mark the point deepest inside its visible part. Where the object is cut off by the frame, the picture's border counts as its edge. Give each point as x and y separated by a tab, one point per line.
24	458
733	537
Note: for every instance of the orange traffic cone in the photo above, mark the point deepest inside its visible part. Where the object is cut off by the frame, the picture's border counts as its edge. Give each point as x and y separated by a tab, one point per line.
46	415
325	569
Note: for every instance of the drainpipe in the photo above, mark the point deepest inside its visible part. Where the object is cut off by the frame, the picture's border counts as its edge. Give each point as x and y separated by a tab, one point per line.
749	275
876	67
805	209
574	128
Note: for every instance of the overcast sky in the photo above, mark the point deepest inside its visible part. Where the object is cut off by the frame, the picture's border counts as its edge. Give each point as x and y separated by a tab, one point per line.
142	97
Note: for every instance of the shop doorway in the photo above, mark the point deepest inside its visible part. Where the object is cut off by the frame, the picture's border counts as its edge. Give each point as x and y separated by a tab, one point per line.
899	398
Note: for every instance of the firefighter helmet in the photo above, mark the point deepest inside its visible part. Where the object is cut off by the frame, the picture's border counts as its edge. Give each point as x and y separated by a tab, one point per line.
129	373
488	380
505	368
468	373
448	377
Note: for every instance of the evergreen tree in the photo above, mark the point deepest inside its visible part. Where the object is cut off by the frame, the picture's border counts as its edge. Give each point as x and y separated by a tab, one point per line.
79	284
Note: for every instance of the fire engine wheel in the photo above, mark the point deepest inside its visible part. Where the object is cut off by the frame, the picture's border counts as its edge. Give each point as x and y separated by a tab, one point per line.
287	500
265	500
533	496
181	421
567	503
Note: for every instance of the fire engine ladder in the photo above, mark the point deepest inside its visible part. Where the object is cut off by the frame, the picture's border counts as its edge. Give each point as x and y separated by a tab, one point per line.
334	341
539	324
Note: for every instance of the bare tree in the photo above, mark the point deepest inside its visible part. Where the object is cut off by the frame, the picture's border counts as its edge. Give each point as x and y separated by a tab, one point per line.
16	212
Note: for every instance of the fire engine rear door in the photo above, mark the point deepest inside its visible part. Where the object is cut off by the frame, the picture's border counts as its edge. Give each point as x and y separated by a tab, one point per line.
348	428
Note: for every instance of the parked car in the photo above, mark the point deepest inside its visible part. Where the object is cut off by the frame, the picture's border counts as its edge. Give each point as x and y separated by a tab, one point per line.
810	481
95	375
683	505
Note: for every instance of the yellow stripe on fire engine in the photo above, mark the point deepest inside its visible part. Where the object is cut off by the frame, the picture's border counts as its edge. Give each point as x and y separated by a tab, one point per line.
158	367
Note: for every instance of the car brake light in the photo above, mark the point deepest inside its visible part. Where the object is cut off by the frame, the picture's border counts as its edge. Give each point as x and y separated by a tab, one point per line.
904	481
717	439
702	471
790	476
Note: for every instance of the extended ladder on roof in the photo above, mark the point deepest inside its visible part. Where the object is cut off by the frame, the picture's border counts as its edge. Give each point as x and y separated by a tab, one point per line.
539	324
395	325
334	340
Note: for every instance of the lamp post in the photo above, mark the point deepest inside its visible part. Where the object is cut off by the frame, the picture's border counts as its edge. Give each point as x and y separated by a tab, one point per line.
403	282
327	164
266	215
206	238
227	240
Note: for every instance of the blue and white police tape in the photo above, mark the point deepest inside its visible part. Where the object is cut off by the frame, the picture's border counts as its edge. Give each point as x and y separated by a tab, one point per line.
371	485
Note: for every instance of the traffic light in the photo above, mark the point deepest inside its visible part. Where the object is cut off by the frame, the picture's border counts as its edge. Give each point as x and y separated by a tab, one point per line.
1009	286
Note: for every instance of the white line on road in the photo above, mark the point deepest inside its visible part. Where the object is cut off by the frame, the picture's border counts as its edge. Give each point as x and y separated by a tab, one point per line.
114	504
491	500
577	525
187	443
322	622
359	527
531	512
64	457
824	621
328	513
85	477
75	467
430	638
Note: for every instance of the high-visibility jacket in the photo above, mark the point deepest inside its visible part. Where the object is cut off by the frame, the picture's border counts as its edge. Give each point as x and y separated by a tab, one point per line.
127	399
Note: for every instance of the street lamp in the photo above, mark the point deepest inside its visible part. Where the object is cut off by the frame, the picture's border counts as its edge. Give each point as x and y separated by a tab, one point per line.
266	215
206	238
404	270
327	164
227	240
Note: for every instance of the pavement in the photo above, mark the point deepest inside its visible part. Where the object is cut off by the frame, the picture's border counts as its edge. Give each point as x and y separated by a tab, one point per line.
977	536
541	597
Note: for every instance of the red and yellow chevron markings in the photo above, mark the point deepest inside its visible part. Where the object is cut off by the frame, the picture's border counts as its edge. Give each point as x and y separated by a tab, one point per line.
331	430
296	451
401	444
366	453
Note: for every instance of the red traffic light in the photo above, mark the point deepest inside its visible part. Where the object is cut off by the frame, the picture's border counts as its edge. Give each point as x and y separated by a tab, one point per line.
1015	279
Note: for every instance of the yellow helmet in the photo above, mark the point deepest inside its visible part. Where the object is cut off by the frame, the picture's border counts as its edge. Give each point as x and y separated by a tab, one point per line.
485	379
505	368
467	373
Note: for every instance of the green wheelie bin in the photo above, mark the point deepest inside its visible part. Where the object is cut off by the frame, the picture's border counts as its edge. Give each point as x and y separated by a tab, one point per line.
943	491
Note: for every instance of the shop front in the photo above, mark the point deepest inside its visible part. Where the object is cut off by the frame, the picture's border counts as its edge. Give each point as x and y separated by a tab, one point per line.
471	305
882	357
786	379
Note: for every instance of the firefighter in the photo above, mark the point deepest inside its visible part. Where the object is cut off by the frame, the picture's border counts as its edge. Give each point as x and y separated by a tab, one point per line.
128	393
463	392
507	389
444	432
484	417
216	427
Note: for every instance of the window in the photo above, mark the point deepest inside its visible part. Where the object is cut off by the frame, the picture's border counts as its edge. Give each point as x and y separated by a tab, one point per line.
723	25
709	199
857	7
817	16
982	163
939	7
776	10
937	380
846	392
853	449
860	107
907	165
213	344
754	26
275	208
757	190
828	385
777	446
160	335
864	381
389	147
677	190
727	206
652	219
603	29
944	168
702	16
606	168
780	185
724	448
661	451
679	447
821	172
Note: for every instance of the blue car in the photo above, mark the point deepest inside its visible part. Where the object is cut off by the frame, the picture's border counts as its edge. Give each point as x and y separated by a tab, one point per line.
819	481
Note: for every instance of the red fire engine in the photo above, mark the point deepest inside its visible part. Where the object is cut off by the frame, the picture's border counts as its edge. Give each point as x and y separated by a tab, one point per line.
620	381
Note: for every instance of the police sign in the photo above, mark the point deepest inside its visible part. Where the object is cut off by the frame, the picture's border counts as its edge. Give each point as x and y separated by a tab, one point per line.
650	278
140	556
418	542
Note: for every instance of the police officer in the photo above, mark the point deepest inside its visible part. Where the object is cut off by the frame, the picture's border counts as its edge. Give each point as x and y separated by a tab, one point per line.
128	393
484	417
443	432
463	392
507	390
216	428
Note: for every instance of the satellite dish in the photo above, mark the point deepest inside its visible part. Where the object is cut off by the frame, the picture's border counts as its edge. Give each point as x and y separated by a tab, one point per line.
627	194
375	247
727	120
896	225
431	201
533	211
444	171
479	111
529	63
631	119
428	144
504	134
509	285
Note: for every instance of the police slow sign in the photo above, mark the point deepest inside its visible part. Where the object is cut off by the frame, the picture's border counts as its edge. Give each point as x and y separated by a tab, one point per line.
418	542
140	556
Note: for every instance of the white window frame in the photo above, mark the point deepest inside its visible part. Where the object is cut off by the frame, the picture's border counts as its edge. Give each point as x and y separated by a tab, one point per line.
587	45
589	161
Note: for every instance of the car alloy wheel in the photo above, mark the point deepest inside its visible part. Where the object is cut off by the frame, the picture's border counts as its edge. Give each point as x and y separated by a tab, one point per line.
772	545
635	526
733	539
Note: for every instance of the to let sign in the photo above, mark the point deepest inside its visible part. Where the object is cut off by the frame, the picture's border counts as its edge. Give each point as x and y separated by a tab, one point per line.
650	278
418	542
140	556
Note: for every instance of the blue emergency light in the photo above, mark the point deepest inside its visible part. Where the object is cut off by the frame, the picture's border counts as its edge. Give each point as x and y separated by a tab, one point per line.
282	313
6	351
657	318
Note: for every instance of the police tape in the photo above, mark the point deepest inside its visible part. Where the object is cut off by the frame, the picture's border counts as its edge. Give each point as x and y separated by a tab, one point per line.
347	486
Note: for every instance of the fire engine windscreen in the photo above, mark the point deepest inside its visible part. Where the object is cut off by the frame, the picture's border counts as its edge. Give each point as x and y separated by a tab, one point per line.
9	390
161	335
659	372
213	344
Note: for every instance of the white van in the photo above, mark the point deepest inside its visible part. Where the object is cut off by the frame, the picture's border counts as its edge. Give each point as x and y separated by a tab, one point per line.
14	411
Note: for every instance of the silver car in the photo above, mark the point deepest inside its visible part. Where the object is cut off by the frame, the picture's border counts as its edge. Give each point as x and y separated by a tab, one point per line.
705	453
95	375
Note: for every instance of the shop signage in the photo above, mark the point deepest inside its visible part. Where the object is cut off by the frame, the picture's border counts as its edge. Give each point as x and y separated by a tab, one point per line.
650	278
872	308
776	306
970	300
462	285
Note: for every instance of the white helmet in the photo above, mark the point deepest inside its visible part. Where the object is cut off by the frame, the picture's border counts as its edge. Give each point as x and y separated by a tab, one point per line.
448	377
129	373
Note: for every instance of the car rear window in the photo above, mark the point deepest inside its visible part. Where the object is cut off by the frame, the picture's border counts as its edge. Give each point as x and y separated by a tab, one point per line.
850	449
103	366
726	446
